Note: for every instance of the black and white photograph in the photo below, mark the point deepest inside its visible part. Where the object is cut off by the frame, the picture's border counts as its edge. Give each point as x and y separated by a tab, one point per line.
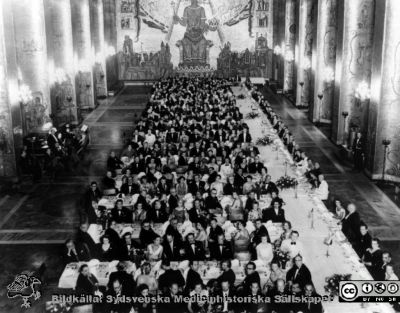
199	156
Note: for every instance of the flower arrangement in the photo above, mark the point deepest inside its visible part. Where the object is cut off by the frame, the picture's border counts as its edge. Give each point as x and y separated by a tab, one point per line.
332	283
281	257
264	141
252	115
241	96
286	182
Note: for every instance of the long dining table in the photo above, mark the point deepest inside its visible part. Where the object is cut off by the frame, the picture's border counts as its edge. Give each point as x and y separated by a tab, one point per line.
309	216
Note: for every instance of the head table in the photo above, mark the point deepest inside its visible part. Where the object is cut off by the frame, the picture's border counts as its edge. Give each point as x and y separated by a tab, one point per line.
309	216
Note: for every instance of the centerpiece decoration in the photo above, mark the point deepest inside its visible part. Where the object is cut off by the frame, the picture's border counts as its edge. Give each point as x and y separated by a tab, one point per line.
332	283
286	182
252	115
264	141
241	96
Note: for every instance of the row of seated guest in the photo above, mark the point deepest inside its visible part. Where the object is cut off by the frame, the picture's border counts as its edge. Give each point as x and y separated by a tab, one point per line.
176	151
174	282
378	262
199	245
306	166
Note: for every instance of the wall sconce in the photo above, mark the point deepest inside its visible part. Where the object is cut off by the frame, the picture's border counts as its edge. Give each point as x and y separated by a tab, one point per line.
24	94
47	126
329	74
109	51
277	50
306	64
386	143
363	92
289	56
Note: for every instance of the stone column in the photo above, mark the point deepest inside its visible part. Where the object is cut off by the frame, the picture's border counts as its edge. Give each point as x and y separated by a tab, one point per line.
305	31
30	42
384	113
12	73
7	153
325	61
110	37
61	60
290	42
83	56
355	68
97	31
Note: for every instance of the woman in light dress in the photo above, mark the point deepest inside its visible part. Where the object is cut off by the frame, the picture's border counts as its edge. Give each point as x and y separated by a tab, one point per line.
241	238
201	234
255	213
264	250
339	210
179	212
236	212
218	186
155	249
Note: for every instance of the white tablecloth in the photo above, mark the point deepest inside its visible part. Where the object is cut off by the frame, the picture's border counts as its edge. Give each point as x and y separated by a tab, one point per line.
342	259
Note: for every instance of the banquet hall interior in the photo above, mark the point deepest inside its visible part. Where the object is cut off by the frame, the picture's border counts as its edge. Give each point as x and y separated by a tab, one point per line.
198	147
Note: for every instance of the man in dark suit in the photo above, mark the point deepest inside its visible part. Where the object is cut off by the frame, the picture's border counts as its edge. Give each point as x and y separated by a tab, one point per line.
130	188
83	238
252	276
299	273
92	194
118	290
363	241
212	202
196	151
121	214
221	250
197	186
380	270
123	277
171	303
193	277
226	294
75	252
127	247
172	136
169	277
173	229
196	213
312	306
275	214
137	140
171	248
194	250
227	273
351	223
137	166
157	214
358	152
269	187
244	136
279	291
256	166
147	234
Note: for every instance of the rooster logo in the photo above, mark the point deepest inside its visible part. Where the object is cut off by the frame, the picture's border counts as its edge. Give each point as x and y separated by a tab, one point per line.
25	285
